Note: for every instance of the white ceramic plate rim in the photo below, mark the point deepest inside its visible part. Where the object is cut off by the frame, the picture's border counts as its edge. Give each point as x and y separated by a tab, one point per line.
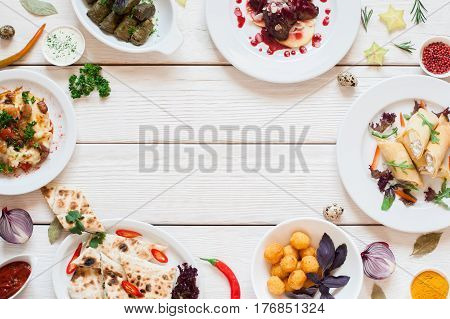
171	41
326	57
70	129
350	139
63	254
350	244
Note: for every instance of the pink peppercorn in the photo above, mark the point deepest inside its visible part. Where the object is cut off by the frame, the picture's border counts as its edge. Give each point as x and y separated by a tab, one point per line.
436	57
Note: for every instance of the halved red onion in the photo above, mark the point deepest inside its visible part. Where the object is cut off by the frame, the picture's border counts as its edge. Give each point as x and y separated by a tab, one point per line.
378	261
16	226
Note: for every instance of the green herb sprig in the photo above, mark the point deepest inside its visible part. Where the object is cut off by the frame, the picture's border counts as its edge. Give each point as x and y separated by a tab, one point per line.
418	12
365	17
29	132
6	169
443	193
403	165
385	136
89	80
406	46
434	134
97	239
74	217
5	119
388	199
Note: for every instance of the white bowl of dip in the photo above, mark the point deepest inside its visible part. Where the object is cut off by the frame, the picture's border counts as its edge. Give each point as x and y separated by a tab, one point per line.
63	45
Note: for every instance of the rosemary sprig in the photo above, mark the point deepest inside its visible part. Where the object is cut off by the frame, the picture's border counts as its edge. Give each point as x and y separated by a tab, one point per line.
406	46
434	134
365	17
403	166
385	136
418	11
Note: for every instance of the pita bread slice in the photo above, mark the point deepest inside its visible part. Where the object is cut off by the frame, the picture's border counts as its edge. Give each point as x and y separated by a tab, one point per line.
86	283
90	258
62	200
113	275
154	281
113	246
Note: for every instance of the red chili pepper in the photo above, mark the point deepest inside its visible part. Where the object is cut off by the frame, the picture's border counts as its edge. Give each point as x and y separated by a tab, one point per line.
6	133
71	267
232	279
159	256
127	233
131	289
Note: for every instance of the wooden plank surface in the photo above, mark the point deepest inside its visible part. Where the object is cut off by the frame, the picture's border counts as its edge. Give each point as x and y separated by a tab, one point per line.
235	245
198	47
166	97
110	177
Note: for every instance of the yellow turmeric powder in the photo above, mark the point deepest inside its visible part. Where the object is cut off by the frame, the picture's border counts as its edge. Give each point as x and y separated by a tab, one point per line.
429	285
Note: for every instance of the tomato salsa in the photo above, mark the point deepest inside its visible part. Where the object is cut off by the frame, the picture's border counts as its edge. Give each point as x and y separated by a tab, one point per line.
12	277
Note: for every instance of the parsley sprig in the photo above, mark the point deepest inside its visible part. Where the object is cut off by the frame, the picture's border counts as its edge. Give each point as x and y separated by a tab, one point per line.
403	165
385	136
5	119
6	169
74	217
88	80
29	132
434	134
443	193
97	239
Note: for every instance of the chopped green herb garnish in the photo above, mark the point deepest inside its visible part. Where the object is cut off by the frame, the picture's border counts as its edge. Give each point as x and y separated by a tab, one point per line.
385	136
131	30
403	166
89	80
434	134
5	119
26	97
29	132
5	168
74	217
97	239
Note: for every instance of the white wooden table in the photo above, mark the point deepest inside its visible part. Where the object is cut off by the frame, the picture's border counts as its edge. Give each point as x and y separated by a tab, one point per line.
221	214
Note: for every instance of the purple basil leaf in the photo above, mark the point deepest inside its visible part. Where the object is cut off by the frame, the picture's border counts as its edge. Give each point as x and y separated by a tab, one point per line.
335	282
325	252
325	292
299	296
313	277
311	291
339	257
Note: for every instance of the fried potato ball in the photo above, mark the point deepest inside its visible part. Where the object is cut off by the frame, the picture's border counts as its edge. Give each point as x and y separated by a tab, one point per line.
290	251
309	264
300	240
310	251
296	279
287	287
288	263
273	253
278	271
276	286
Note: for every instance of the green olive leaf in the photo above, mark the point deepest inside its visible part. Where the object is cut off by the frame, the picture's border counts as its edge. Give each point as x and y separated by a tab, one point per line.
54	231
38	7
377	292
426	243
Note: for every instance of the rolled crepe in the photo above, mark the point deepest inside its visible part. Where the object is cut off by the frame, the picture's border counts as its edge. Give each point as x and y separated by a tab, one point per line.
416	135
393	151
444	170
435	153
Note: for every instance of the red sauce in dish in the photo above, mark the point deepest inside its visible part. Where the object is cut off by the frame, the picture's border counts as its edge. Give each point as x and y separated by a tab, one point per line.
316	40
326	21
327	11
240	17
12	277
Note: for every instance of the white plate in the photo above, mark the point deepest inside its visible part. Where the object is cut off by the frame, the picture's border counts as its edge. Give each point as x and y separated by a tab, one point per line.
62	115
234	42
166	39
314	228
355	149
176	253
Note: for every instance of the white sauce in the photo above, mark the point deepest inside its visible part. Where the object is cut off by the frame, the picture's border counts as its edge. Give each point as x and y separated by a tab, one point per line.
416	146
64	46
429	160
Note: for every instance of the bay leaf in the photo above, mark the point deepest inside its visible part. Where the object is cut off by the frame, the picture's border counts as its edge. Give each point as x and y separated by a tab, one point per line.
38	7
426	243
377	292
54	231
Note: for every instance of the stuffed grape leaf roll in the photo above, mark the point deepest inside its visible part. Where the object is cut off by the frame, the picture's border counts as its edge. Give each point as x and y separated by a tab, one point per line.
123	7
100	10
144	11
142	32
110	23
126	28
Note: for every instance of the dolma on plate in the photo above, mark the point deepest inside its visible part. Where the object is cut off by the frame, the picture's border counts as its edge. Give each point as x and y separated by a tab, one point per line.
436	152
126	28
142	33
144	11
110	23
100	10
417	134
399	162
123	7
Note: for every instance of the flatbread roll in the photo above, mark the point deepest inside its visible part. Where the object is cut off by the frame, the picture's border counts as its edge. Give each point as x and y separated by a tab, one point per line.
62	200
113	246
90	258
86	283
436	152
444	170
153	281
113	275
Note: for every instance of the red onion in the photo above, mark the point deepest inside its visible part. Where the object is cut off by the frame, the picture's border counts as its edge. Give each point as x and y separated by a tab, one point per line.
378	261
16	226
